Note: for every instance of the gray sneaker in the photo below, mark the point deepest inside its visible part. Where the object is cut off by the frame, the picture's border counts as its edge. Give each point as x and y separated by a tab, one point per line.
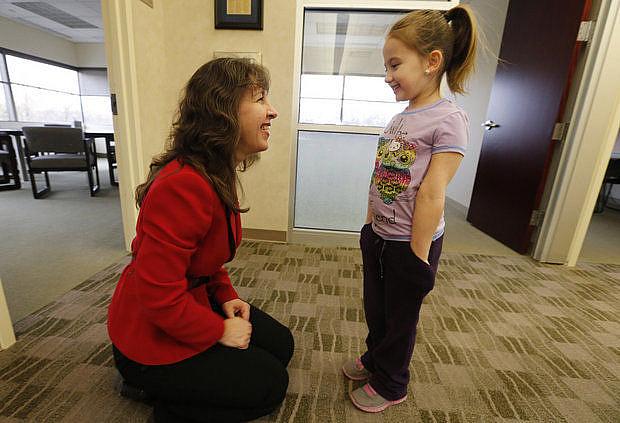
354	370
368	400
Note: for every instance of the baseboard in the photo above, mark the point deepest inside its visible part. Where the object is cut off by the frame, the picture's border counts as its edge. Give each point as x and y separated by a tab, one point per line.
313	237
320	238
264	235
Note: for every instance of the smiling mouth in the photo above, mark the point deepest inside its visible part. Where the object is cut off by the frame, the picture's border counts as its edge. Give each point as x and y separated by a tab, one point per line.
266	127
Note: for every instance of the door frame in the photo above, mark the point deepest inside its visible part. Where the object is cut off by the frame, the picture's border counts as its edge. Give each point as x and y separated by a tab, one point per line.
7	335
597	108
123	81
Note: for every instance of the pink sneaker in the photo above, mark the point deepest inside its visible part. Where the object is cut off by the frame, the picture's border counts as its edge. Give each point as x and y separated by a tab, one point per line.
367	399
355	370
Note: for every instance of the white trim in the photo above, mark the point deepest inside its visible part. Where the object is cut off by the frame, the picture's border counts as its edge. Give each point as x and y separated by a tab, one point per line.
380	4
348	129
597	118
122	76
299	28
7	336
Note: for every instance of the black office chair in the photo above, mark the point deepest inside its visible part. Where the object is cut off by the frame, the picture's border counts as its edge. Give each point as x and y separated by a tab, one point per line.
9	179
612	177
59	149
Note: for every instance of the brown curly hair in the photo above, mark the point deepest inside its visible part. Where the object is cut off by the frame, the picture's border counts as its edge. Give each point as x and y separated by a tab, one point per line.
205	133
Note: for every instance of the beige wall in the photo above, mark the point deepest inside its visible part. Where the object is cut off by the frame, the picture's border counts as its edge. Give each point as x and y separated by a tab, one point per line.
191	40
153	78
169	43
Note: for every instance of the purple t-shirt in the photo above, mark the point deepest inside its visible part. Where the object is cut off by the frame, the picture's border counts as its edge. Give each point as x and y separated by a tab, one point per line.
403	156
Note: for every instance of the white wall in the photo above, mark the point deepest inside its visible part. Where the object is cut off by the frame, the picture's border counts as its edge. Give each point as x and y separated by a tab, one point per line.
491	17
29	40
90	55
43	44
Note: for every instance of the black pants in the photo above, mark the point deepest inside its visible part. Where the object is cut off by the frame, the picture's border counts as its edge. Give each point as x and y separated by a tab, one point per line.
221	384
395	284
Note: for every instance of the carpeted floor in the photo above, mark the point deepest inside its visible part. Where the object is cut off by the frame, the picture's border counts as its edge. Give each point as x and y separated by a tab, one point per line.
601	242
50	245
501	339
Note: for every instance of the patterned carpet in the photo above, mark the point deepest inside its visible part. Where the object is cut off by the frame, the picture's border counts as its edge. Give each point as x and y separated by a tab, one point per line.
501	339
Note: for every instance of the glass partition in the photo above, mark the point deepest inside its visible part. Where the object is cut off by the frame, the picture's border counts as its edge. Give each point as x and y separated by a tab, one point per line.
333	176
341	86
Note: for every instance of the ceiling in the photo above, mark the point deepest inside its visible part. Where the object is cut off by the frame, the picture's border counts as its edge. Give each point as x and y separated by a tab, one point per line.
79	21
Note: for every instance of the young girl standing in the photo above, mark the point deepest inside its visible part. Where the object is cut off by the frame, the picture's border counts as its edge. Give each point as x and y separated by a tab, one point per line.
418	154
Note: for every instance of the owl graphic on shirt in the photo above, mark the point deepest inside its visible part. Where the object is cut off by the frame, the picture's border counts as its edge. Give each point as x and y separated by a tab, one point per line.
391	175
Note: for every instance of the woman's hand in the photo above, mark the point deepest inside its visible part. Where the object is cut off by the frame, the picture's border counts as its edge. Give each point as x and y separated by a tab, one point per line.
236	307
237	333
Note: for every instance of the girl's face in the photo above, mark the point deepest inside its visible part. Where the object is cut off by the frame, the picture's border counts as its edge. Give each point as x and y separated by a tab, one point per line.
255	115
404	71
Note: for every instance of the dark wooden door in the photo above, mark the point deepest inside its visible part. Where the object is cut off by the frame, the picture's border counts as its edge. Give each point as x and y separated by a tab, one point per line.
537	54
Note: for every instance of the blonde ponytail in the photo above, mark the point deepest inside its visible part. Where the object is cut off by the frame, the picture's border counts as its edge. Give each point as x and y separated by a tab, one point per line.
465	34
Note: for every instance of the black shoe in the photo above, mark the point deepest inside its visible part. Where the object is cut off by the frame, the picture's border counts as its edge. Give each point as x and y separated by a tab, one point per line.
134	393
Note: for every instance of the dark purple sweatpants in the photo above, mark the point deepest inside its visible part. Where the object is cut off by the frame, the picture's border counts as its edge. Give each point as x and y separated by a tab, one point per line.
395	283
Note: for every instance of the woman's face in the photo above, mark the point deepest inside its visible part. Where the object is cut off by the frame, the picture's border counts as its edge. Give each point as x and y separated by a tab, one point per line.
255	115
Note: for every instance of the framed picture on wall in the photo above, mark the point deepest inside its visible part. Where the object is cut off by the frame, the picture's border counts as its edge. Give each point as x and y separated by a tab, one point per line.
239	14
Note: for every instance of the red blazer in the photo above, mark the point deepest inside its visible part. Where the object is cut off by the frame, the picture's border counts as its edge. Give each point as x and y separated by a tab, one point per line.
154	317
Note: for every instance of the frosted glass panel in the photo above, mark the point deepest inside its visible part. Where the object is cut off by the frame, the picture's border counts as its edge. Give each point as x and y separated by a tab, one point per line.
333	176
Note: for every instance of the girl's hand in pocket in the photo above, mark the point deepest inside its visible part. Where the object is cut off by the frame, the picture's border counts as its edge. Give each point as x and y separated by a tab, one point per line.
420	252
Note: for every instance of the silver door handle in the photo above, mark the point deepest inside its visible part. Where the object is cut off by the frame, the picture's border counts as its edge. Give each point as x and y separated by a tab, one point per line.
489	124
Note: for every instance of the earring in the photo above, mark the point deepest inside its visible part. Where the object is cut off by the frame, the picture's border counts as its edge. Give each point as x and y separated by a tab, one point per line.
427	72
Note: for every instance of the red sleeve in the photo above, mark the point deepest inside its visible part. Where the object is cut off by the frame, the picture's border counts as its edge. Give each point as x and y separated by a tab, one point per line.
220	288
176	215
